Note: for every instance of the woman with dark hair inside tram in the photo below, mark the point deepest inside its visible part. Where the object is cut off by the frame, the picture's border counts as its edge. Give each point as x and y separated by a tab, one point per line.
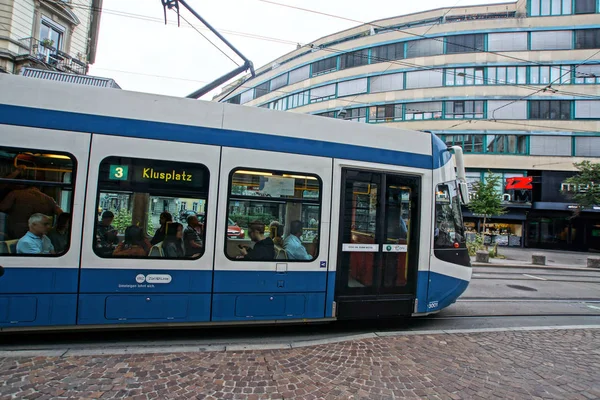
134	245
173	243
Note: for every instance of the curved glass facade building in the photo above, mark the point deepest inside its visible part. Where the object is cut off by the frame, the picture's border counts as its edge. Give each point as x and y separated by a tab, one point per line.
517	85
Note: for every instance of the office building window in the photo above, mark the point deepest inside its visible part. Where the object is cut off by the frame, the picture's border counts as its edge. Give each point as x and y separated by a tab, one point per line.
356	114
464	109
328	114
585	6
279	104
388	52
507	75
469	143
234	100
354	59
298	99
247	96
355	86
550	7
586	74
424	48
420	111
587	146
278	82
546	74
424	79
551	40
261	90
506	109
299	74
587	109
587	39
464	76
550	145
511	41
322	93
387	83
385	113
465	43
324	66
550	109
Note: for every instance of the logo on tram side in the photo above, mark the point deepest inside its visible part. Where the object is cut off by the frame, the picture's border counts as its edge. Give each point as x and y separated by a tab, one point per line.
140	278
432	304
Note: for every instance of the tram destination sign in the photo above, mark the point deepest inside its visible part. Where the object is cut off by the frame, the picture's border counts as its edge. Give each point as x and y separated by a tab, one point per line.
157	174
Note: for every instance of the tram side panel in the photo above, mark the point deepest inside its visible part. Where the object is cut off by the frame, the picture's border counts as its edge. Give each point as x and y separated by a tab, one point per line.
290	196
41	171
137	180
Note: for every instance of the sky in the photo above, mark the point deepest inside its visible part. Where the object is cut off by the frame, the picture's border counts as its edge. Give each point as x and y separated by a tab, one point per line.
141	53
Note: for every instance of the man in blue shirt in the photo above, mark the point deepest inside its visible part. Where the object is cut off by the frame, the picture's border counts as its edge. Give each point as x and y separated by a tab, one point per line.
293	245
35	240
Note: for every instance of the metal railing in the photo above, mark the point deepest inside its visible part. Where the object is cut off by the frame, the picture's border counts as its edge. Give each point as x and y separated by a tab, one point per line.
45	53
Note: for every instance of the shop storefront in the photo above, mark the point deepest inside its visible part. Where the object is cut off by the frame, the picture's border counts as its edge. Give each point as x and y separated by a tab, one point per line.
540	214
507	229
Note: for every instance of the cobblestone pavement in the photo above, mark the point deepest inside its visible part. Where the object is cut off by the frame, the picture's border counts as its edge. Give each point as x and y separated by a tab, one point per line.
553	364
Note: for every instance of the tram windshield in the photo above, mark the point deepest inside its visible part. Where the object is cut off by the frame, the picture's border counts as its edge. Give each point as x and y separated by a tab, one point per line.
449	227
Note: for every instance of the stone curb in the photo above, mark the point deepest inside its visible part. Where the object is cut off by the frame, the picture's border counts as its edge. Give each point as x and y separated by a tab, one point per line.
66	352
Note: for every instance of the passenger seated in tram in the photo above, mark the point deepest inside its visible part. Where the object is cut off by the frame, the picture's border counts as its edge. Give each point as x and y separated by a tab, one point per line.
293	244
173	244
192	237
35	240
59	235
22	203
134	244
159	236
106	234
264	248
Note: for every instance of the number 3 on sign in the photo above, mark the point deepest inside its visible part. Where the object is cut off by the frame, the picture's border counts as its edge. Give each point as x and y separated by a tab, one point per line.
118	172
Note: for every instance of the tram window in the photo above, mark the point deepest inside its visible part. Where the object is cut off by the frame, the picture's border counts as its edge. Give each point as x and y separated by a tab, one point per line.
449	228
273	215
36	201
151	208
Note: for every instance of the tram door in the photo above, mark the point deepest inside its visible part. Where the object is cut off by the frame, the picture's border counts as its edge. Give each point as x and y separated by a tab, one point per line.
377	260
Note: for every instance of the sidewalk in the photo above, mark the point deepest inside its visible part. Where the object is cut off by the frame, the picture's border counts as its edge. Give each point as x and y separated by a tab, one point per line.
518	257
509	364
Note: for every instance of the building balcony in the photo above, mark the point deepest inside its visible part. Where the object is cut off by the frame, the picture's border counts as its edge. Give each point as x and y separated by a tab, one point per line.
44	55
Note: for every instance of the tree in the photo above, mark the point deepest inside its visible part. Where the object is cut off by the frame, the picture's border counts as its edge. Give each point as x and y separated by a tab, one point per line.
582	187
486	200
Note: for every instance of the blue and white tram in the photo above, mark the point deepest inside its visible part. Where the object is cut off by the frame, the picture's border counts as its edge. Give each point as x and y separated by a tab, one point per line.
359	221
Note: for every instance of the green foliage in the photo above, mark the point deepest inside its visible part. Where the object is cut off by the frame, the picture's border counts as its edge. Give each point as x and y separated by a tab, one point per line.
122	220
243	220
474	246
150	226
487	200
584	189
494	251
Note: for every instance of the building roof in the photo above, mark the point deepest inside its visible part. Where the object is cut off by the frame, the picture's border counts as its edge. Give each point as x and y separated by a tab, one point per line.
70	78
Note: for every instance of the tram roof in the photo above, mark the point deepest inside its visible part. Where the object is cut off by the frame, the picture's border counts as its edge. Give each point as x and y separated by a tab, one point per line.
73	107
